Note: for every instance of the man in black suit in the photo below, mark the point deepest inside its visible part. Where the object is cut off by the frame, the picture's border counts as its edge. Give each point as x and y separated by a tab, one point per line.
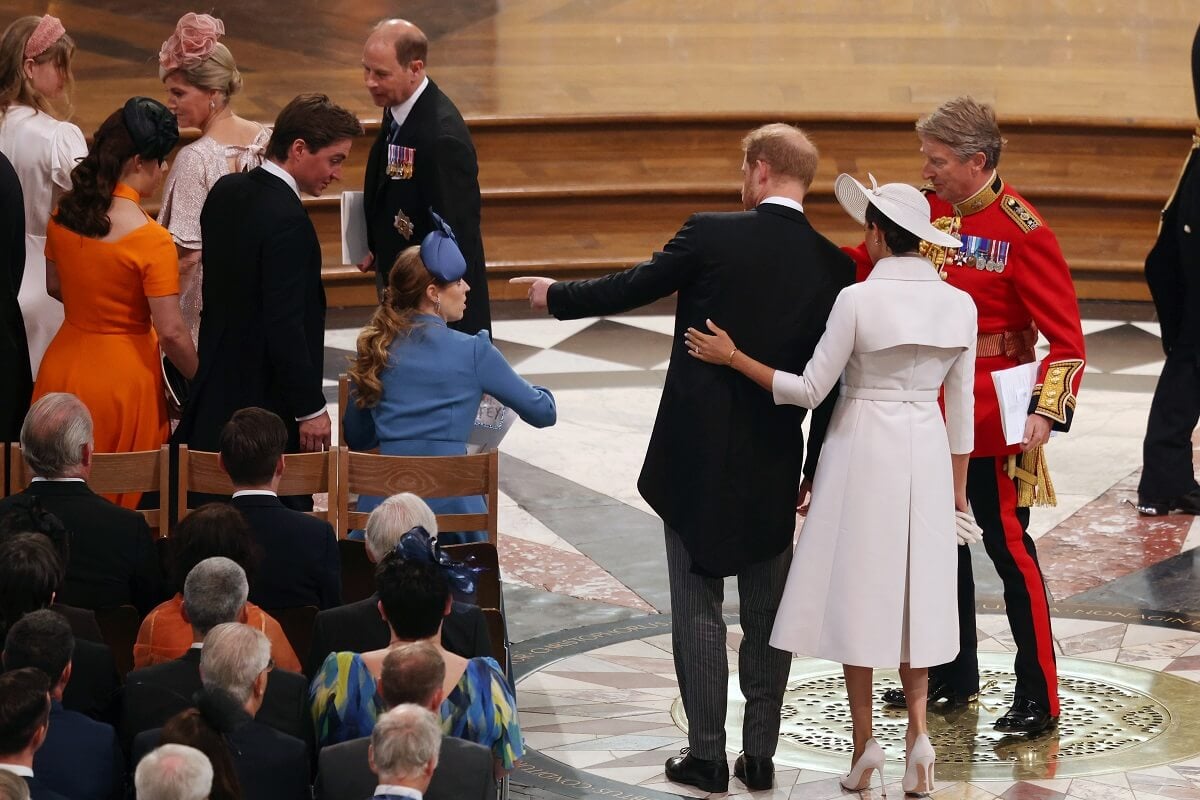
173	772
24	720
359	627
214	593
31	572
422	160
300	565
262	333
80	757
237	669
17	385
111	559
724	462
412	674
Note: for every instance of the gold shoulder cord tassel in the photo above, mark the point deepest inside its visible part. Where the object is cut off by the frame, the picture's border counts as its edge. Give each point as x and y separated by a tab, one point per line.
1034	487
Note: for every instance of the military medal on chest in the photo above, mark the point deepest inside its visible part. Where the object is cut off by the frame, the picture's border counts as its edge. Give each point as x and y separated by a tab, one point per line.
403	225
400	162
990	255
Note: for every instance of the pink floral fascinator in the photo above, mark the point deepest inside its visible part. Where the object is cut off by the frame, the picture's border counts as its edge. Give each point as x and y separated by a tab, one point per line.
193	41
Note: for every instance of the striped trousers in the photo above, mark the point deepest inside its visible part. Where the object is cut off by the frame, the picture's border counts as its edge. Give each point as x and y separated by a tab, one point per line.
698	638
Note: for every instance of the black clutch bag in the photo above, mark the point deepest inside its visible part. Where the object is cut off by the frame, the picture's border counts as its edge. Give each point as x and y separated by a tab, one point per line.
175	387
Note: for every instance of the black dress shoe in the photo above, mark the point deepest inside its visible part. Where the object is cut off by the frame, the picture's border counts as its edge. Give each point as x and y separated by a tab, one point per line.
1026	716
941	697
757	772
711	776
1184	504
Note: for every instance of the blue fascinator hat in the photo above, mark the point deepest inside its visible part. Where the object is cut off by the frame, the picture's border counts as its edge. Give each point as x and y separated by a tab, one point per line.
417	545
441	253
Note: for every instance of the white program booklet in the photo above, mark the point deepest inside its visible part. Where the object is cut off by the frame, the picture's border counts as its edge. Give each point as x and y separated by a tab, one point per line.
354	228
1014	389
492	421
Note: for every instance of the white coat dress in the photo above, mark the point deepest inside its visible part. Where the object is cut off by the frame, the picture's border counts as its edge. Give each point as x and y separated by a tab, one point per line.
873	580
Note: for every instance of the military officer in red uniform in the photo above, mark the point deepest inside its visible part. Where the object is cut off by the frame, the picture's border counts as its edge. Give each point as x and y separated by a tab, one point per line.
1013	268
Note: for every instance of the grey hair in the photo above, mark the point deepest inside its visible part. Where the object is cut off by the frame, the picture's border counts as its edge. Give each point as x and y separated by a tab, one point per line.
232	657
965	126
215	591
395	517
12	786
54	433
173	772
404	740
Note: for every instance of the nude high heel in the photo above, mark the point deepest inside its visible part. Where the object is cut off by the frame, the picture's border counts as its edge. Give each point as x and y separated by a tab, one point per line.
859	777
918	767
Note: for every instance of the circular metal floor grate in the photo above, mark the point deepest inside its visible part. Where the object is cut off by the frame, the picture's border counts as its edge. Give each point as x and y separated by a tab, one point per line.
1114	717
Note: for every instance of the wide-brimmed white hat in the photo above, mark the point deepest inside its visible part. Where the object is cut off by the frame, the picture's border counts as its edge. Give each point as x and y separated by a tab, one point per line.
899	202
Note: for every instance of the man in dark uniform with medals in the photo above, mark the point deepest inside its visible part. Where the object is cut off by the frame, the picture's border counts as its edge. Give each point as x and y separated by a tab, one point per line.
422	160
1173	273
1011	265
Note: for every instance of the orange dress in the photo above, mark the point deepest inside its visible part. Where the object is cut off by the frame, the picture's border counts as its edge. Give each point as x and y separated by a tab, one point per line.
106	352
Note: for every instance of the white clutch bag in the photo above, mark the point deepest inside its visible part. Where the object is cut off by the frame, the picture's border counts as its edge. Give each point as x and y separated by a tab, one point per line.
492	421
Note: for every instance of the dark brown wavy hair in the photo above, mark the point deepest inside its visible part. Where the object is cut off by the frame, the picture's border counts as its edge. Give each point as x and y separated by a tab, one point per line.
84	209
204	729
394	317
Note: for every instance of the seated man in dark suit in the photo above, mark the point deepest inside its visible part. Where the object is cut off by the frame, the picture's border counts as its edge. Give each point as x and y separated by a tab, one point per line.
237	669
112	560
300	564
30	574
24	719
214	592
80	757
359	628
412	674
404	751
173	772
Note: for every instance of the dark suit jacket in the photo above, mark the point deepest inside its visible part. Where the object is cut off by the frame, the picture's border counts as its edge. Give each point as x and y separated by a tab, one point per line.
300	563
17	385
445	178
82	620
40	791
1173	265
724	462
464	772
92	689
262	331
80	758
358	628
112	559
155	694
270	765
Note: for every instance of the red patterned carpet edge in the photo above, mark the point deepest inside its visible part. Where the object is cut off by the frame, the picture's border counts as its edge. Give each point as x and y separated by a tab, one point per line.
563	572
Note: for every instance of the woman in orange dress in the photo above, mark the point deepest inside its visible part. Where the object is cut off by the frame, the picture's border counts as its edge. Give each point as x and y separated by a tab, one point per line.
116	272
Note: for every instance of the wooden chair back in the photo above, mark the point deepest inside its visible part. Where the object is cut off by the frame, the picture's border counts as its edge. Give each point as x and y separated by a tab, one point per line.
358	573
487	582
424	476
119	627
119	473
303	473
498	635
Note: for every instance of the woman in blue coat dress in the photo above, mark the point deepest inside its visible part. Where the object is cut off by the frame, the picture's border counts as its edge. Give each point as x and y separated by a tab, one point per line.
416	384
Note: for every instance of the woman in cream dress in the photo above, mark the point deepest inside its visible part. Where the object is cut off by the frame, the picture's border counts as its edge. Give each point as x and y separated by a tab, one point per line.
873	577
35	71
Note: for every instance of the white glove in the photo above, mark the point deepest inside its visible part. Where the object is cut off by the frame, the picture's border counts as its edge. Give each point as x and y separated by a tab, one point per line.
967	530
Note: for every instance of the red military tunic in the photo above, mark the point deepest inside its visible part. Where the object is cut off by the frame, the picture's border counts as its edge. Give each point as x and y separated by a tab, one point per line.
1014	270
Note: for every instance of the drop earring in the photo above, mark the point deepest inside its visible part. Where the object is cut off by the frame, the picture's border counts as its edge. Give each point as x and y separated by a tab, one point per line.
437	306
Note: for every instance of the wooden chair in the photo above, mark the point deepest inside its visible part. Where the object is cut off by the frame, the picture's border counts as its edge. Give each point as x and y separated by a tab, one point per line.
119	627
303	473
297	624
119	473
481	554
358	573
498	634
424	476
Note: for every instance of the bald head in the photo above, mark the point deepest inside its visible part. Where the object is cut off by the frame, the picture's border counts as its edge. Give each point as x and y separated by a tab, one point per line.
394	61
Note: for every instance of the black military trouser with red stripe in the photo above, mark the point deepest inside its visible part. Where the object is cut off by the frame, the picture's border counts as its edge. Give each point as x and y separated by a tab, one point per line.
993	497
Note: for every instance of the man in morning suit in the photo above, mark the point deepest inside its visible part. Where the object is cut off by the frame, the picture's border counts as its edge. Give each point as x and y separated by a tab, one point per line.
422	160
1013	268
262	338
24	720
17	386
300	565
724	463
81	757
237	669
111	555
411	674
1168	480
404	753
359	627
214	593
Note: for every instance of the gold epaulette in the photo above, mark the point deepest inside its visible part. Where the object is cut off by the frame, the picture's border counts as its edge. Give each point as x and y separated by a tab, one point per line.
1034	487
1021	214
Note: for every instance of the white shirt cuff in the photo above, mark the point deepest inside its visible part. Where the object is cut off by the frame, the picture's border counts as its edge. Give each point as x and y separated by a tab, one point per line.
313	415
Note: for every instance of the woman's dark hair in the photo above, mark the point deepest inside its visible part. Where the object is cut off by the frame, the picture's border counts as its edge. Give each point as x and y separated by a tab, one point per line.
142	127
414	596
216	529
26	514
204	728
898	239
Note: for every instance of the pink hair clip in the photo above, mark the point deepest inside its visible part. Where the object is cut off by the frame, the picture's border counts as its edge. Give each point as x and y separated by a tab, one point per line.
48	31
193	41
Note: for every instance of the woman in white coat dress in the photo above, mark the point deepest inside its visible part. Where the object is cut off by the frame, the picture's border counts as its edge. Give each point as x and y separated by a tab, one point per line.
873	578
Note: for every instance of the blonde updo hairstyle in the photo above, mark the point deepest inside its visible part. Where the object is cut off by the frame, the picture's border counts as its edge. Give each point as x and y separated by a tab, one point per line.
401	300
14	86
215	71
